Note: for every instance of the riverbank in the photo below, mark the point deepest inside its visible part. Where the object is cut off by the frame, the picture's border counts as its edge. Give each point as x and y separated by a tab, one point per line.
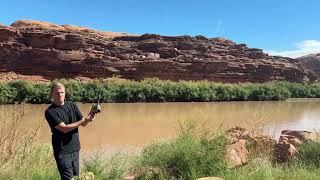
154	90
195	153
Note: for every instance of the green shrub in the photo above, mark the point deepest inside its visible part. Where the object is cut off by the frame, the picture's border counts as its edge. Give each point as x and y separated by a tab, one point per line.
103	168
22	88
74	91
39	93
95	164
309	153
188	157
7	94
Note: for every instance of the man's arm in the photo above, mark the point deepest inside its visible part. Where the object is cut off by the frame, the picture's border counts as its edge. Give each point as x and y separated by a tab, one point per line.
65	128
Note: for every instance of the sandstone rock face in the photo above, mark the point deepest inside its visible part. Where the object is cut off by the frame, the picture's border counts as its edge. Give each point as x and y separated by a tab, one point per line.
285	148
237	154
311	62
52	51
297	137
241	141
283	152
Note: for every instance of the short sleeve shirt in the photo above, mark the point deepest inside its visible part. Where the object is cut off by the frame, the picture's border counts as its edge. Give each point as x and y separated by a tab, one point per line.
68	113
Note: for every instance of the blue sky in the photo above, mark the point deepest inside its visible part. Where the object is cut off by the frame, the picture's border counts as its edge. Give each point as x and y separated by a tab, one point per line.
283	27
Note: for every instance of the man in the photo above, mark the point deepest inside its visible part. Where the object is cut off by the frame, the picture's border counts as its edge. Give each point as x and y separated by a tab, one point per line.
64	118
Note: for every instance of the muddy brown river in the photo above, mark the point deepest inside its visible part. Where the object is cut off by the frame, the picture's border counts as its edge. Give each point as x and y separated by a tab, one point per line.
134	124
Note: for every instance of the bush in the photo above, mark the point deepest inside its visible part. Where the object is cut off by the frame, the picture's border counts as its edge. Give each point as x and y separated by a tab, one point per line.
102	168
188	157
309	153
7	94
39	93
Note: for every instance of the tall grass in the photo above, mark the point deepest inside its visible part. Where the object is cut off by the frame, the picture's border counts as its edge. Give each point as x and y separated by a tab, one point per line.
191	155
309	153
264	169
21	156
115	167
155	90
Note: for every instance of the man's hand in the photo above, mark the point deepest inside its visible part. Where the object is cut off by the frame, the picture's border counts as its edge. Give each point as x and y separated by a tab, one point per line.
87	119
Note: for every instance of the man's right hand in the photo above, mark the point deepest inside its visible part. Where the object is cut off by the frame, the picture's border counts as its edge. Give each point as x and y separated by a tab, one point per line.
87	119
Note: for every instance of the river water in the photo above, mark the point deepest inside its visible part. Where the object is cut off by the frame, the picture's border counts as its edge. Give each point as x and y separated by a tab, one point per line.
134	124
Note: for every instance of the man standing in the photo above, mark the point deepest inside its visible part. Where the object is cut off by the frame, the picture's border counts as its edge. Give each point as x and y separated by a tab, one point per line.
64	118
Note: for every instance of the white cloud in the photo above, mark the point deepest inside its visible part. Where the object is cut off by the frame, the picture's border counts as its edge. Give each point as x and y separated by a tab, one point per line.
218	28
302	48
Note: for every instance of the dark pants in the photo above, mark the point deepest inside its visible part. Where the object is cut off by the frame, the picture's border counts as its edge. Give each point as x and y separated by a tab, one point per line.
68	164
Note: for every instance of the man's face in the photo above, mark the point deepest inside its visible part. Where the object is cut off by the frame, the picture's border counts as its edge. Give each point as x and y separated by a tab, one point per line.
58	94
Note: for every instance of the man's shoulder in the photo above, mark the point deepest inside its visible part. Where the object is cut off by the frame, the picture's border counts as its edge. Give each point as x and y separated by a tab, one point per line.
50	109
51	106
69	103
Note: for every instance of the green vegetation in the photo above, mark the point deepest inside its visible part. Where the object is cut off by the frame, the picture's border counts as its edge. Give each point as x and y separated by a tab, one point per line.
310	153
194	154
187	157
263	168
154	90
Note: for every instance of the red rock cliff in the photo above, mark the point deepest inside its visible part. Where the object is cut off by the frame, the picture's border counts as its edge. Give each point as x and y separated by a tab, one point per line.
53	51
311	62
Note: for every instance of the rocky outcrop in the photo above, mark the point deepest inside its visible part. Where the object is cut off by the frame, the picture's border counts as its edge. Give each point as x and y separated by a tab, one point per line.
311	62
241	141
54	51
285	149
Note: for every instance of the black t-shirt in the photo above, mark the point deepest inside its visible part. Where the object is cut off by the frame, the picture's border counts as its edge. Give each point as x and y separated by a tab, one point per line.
68	113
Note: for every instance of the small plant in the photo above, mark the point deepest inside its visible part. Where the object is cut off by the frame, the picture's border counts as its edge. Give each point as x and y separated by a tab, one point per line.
106	168
309	153
95	164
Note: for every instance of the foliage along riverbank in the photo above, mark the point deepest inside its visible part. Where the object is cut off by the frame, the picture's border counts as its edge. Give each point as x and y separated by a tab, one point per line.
154	90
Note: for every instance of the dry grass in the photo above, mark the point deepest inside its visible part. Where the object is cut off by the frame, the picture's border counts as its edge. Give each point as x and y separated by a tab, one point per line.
20	153
9	132
11	136
35	24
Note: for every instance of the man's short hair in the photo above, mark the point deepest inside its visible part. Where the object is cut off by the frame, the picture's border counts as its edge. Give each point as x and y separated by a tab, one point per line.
55	85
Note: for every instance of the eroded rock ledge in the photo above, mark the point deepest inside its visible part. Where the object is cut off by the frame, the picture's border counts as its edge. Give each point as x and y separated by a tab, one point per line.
242	141
311	62
53	51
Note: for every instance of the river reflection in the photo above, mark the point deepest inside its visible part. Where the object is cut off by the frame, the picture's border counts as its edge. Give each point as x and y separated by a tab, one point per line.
140	123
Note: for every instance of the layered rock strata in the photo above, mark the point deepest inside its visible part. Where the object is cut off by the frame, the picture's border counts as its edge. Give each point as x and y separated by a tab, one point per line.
311	62
54	51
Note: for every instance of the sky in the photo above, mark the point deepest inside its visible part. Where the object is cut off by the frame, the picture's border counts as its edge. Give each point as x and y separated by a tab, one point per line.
279	27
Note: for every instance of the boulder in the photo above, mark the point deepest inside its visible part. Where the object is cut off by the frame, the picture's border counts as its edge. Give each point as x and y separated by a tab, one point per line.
283	152
241	141
237	154
285	149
